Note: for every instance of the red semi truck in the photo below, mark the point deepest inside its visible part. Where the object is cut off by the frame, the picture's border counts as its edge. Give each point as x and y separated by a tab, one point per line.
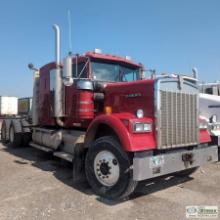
96	111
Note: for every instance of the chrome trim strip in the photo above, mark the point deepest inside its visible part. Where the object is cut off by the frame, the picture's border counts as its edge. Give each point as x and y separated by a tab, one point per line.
86	102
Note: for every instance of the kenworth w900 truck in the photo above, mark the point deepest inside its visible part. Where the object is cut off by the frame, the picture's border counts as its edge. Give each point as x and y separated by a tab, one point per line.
96	111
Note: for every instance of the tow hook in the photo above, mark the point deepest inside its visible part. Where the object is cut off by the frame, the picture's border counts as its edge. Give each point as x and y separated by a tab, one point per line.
188	159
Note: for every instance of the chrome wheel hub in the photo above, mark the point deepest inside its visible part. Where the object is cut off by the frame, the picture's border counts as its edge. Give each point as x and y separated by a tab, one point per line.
106	168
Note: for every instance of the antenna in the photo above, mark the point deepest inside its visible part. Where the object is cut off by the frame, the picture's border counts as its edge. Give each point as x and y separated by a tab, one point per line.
70	31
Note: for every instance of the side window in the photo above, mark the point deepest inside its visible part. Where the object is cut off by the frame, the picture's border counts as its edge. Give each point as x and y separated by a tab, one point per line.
129	75
80	68
208	91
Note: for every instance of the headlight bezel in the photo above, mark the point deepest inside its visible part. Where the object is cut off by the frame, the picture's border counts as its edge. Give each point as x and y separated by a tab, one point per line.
144	127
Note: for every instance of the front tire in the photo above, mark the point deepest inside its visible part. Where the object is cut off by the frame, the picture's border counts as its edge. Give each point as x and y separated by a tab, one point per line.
107	169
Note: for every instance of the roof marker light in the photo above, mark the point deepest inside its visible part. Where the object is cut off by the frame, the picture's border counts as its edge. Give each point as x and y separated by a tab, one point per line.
127	57
99	51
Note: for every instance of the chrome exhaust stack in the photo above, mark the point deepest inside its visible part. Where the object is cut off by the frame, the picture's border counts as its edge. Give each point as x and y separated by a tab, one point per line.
57	43
195	73
58	91
35	98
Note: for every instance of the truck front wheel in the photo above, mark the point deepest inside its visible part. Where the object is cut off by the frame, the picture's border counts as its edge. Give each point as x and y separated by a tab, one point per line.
108	170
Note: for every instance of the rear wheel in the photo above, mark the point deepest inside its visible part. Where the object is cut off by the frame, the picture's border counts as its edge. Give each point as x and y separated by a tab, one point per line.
3	133
187	172
108	170
15	139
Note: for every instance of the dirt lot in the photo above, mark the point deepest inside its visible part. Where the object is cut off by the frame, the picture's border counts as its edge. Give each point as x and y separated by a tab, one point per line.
33	185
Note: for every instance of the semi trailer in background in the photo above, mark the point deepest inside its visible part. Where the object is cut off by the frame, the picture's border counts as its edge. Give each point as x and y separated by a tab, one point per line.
25	106
209	106
8	107
95	111
15	108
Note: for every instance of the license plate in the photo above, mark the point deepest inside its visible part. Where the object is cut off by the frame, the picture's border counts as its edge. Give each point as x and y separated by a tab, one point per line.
156	161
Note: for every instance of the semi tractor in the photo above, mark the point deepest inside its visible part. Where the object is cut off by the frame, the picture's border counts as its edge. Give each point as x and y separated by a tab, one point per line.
209	105
95	111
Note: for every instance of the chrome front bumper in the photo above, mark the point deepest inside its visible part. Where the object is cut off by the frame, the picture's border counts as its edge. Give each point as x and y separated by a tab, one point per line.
146	166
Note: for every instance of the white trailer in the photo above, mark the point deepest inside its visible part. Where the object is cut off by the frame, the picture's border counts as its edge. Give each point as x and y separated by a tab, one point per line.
8	106
209	107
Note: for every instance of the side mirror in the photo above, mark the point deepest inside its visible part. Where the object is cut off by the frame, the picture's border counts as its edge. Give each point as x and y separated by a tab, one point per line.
31	67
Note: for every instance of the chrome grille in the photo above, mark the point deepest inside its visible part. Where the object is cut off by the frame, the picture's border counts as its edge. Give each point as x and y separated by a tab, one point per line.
178	119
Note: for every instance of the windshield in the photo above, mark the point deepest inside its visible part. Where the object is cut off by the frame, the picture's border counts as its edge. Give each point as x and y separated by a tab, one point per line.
114	72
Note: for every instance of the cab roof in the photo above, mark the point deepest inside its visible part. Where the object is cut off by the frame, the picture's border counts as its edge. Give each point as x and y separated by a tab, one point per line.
98	56
112	58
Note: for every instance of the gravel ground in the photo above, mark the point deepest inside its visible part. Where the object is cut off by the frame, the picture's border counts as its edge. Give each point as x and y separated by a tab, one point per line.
34	185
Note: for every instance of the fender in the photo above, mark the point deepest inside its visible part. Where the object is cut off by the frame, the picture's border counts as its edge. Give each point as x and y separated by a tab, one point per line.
204	135
129	141
23	124
17	125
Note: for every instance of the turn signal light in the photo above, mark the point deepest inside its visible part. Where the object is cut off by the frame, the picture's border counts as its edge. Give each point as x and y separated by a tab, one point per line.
108	110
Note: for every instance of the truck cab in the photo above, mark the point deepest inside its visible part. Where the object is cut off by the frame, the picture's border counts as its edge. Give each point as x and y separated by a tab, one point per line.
90	73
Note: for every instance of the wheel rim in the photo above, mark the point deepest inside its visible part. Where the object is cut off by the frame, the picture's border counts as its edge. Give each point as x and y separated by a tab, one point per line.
106	168
11	135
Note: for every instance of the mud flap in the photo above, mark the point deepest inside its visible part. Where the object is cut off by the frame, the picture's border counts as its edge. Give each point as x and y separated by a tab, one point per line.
79	175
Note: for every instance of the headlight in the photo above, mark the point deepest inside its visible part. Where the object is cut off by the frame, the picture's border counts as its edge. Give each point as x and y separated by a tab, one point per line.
140	113
142	127
213	119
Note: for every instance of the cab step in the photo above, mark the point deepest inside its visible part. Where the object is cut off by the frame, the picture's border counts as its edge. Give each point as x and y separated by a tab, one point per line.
63	155
40	147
